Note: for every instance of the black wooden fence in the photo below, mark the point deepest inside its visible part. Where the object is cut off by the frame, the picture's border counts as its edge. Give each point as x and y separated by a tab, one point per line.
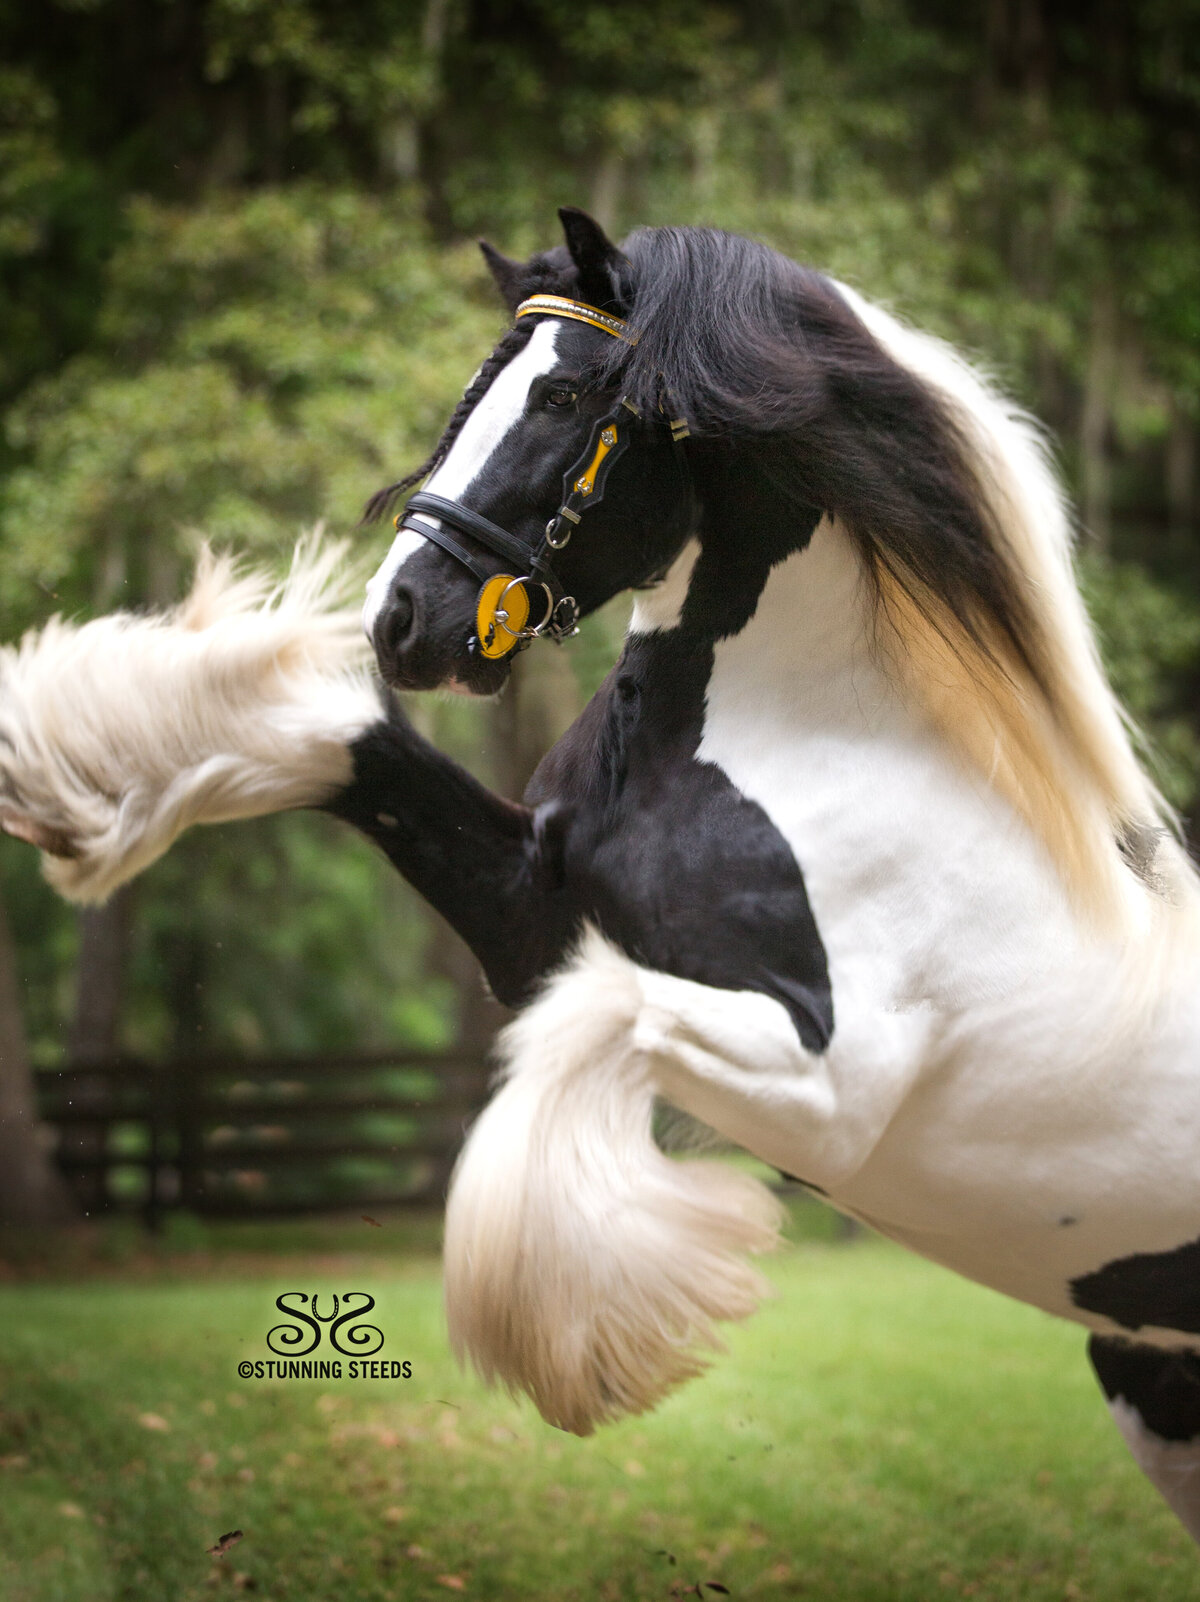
223	1136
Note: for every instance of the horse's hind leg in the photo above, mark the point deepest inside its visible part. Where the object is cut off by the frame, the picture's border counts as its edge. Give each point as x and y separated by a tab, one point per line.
1154	1398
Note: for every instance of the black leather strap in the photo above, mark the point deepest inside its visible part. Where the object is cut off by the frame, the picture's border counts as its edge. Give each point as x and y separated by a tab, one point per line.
489	534
533	562
438	536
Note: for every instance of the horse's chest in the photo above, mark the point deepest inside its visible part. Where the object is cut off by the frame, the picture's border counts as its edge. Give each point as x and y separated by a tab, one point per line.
674	864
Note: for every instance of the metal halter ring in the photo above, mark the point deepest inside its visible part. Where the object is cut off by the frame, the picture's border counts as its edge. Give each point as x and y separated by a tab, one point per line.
560	520
530	633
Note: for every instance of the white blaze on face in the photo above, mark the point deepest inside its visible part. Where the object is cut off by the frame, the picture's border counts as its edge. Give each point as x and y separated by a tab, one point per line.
495	414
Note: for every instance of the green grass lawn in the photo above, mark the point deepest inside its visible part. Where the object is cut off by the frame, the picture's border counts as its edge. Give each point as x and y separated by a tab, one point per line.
880	1431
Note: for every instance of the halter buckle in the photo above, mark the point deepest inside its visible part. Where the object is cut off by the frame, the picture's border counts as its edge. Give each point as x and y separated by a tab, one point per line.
564	620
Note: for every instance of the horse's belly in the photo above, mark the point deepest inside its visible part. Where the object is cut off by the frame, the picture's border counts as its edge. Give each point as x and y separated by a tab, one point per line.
1079	1193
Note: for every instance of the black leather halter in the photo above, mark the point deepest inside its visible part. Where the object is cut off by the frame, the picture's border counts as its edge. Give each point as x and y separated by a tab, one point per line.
583	487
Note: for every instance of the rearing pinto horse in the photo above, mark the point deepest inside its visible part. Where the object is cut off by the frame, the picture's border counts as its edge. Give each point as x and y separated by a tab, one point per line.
850	856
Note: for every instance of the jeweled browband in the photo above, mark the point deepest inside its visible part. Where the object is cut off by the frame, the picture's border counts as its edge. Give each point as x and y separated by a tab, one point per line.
580	312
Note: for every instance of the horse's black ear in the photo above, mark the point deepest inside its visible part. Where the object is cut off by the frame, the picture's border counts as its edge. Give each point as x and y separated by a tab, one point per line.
595	256
509	274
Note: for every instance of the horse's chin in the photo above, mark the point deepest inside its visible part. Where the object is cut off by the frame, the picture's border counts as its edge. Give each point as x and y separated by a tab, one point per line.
478	676
456	672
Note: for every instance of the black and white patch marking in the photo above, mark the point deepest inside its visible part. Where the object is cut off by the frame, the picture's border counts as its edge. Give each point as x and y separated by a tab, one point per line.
1149	1289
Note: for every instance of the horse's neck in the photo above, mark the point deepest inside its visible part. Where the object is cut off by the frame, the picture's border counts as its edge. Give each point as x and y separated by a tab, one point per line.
897	840
803	661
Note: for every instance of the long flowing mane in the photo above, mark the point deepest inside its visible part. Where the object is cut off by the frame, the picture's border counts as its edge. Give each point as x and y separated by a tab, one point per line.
947	492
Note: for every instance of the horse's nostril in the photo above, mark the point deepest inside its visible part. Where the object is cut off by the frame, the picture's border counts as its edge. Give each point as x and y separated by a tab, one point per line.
395	625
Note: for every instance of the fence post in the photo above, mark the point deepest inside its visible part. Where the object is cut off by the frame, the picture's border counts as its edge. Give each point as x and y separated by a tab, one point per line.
188	1091
156	1119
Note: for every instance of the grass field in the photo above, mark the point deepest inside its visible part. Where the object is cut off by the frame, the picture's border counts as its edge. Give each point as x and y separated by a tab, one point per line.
881	1432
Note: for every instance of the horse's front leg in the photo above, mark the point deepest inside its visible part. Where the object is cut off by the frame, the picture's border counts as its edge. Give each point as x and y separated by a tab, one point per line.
582	1264
484	863
118	735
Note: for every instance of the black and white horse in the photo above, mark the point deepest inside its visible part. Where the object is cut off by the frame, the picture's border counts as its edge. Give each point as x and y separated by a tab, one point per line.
849	858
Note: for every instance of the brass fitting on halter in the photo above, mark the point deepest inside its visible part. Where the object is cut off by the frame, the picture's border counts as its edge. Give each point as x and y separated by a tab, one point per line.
506	601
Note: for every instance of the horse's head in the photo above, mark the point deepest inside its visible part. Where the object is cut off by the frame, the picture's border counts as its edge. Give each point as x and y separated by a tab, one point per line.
547	495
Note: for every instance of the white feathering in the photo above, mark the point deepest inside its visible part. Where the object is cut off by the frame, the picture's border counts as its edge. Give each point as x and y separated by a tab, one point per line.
582	1265
117	735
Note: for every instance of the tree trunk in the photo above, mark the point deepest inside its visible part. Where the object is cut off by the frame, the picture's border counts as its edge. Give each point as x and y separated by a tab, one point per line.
95	1036
608	187
1095	420
432	156
1181	478
104	932
31	1191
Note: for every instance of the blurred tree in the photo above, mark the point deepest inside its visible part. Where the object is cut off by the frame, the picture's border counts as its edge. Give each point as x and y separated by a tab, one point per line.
234	300
31	1192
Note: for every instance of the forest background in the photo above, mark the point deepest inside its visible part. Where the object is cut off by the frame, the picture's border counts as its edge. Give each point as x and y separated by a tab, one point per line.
239	291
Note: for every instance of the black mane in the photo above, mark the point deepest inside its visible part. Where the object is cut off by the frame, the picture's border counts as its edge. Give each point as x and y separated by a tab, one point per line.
764	354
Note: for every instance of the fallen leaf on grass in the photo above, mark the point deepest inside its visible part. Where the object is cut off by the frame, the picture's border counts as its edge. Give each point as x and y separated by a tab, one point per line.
393	1515
71	1510
153	1421
452	1582
224	1542
374	1222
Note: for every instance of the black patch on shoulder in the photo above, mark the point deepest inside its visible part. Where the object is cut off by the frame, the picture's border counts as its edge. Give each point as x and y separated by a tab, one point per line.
1150	1288
1164	1387
664	854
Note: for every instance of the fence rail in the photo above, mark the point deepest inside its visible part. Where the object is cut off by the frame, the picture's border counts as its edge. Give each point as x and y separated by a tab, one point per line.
242	1136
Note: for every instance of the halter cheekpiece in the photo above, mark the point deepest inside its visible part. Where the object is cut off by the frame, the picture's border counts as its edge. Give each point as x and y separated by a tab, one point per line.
505	602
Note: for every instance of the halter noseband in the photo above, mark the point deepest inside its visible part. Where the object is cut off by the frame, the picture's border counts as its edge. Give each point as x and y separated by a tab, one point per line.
503	606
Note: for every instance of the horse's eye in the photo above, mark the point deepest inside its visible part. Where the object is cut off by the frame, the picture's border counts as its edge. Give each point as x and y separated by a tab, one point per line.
561	397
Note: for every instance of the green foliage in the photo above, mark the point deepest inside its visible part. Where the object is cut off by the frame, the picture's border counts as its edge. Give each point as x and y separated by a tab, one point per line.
296	938
1150	640
237	298
259	363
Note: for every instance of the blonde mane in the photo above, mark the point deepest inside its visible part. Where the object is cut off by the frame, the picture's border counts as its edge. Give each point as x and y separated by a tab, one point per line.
1059	750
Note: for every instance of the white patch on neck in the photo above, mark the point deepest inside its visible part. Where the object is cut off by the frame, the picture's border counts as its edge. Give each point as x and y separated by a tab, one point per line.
662	607
496	412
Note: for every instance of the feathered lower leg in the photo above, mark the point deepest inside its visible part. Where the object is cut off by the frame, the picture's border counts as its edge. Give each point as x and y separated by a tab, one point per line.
582	1265
117	735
